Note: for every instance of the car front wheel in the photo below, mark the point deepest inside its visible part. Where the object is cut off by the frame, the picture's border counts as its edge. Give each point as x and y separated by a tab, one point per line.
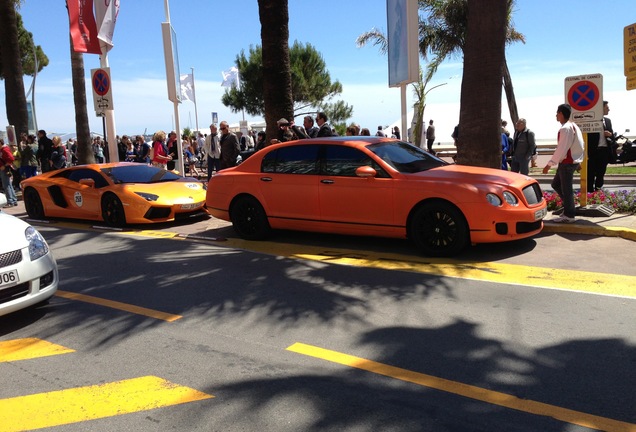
113	211
438	229
249	219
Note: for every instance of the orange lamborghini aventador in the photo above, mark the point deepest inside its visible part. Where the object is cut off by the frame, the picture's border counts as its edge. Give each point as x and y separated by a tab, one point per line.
377	187
117	193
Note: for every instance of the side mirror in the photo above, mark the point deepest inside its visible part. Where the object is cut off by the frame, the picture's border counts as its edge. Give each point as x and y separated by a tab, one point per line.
365	172
87	182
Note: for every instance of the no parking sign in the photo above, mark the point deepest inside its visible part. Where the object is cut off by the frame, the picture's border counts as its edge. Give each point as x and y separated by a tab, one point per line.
584	93
102	92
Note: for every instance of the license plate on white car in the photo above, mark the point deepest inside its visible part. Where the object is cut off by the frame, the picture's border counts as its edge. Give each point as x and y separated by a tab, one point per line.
9	278
540	214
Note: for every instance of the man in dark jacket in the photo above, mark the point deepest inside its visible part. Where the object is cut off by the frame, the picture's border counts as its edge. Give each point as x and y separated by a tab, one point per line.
523	147
599	153
230	148
45	149
324	128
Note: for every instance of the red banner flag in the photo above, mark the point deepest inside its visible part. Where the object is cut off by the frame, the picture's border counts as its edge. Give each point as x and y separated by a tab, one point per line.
83	27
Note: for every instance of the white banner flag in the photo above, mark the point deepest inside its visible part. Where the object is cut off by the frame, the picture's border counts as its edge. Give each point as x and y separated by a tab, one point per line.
187	87
230	77
106	12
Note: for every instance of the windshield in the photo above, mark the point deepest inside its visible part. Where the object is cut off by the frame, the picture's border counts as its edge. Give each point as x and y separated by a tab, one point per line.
405	158
139	173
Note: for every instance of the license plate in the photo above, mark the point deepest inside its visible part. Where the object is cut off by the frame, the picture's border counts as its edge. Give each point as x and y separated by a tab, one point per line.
190	206
9	278
540	214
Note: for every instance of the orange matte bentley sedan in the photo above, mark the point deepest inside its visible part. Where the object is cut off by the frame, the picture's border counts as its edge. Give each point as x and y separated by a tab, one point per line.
376	187
117	193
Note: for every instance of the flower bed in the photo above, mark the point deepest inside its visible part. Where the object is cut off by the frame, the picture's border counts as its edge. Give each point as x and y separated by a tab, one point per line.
623	201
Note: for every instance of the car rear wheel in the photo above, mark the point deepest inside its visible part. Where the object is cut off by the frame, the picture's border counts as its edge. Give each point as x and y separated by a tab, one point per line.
113	211
249	219
438	229
33	204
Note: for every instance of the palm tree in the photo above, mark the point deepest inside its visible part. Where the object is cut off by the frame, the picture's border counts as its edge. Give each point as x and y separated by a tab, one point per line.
419	88
82	128
277	84
479	140
443	33
15	99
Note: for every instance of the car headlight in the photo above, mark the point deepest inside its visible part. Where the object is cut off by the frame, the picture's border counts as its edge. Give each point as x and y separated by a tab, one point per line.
510	198
37	245
493	199
148	196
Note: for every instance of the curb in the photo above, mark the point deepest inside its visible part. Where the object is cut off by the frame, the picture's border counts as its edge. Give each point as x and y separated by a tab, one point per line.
596	230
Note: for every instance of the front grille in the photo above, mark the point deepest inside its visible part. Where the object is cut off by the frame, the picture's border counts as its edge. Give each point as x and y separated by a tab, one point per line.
157	213
533	194
10	294
10	258
526	227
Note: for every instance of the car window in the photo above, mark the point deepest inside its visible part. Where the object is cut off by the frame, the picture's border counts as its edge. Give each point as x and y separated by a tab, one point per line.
297	159
343	161
84	173
404	157
139	173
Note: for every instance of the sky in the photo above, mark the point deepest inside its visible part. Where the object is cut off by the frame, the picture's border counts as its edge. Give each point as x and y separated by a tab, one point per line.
563	38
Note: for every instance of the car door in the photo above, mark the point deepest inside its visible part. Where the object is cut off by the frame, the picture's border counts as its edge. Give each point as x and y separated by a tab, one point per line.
288	184
346	198
82	192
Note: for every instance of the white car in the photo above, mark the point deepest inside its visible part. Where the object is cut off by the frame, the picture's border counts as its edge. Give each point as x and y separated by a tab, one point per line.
28	271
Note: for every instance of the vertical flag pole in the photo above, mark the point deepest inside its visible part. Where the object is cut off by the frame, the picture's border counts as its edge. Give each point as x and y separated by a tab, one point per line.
194	95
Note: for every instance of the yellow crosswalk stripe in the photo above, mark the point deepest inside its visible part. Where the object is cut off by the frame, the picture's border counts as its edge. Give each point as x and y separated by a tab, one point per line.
92	402
29	348
466	390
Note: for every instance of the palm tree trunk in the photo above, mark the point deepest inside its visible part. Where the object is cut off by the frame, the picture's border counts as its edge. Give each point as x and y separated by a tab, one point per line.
277	85
510	93
479	140
82	128
15	99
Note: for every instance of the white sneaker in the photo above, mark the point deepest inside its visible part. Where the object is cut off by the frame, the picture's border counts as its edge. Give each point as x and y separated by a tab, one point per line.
563	219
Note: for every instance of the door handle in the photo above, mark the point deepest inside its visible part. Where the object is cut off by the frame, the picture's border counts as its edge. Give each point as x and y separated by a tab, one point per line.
266	179
327	181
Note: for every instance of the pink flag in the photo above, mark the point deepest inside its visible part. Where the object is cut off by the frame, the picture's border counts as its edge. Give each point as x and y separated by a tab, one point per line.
82	26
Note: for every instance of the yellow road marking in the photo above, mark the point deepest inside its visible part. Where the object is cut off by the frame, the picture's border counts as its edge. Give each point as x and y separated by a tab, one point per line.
92	402
119	305
29	348
152	233
465	390
540	277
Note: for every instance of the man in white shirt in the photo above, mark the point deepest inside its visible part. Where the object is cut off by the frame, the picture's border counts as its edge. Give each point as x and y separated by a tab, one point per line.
568	155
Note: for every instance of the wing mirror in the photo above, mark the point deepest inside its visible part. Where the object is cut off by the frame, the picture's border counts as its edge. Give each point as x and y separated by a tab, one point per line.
365	172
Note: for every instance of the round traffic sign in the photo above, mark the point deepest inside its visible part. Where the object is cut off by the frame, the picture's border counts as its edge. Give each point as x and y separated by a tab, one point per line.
583	95
101	82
